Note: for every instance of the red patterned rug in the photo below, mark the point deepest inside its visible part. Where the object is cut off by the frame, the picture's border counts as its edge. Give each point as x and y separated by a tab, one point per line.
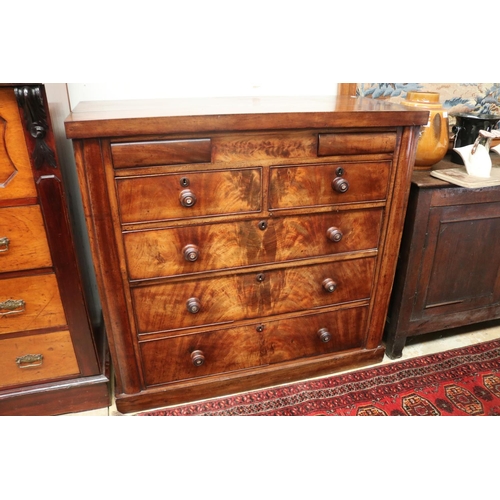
463	381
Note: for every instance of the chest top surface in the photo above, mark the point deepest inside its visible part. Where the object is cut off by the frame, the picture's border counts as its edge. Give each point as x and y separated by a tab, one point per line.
190	115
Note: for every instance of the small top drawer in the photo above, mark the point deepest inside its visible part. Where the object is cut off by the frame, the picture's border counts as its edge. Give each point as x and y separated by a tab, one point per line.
23	241
298	186
356	143
144	154
190	194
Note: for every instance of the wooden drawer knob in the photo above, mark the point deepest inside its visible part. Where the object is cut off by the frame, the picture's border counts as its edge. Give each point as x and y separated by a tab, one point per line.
334	234
193	305
324	335
187	198
4	244
329	285
191	253
198	358
340	185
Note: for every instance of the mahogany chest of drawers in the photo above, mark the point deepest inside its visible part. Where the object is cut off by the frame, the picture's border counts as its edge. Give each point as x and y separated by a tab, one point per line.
242	242
52	355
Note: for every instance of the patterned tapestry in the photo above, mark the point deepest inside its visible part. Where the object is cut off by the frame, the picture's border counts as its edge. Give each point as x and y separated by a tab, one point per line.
455	97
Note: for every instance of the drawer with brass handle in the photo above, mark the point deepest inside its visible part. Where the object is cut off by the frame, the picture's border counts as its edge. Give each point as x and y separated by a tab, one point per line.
37	357
30	303
23	241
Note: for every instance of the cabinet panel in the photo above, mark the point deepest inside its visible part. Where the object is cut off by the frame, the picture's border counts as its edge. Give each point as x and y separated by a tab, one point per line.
16	179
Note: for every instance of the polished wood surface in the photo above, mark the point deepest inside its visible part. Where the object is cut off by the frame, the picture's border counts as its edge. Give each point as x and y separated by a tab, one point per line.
129	118
270	260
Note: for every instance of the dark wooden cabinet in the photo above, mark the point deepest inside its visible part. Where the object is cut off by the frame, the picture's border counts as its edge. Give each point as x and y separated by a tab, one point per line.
52	354
449	269
242	242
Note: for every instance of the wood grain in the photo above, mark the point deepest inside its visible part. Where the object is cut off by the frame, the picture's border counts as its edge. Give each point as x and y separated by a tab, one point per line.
159	253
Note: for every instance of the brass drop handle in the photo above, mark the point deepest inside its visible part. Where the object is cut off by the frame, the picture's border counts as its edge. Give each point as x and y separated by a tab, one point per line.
324	335
340	185
193	305
329	285
198	358
191	253
12	307
29	360
4	244
187	198
334	234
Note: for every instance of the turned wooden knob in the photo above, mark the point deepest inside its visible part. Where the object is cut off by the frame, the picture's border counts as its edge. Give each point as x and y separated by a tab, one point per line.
193	305
329	285
187	198
191	253
340	185
334	234
198	358
324	335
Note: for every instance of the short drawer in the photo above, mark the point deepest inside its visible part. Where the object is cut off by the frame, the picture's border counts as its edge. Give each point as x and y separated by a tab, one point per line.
198	248
173	152
36	358
260	344
328	184
356	143
30	303
188	195
23	241
201	302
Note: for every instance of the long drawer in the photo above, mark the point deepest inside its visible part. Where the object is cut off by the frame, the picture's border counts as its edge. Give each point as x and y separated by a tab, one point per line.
36	358
196	303
30	303
328	184
194	249
213	352
189	194
23	241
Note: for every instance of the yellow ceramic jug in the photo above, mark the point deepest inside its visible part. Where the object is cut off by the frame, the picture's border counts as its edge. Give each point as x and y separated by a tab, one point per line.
434	137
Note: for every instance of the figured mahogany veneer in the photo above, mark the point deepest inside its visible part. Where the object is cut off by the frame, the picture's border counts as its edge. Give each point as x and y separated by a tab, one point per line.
242	242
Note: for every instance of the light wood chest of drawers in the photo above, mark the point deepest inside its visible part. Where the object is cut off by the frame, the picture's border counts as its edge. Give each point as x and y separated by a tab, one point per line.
241	243
52	356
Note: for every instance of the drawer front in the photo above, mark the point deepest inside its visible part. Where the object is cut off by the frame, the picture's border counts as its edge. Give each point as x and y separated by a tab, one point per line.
16	177
211	353
315	185
23	241
194	249
356	143
168	360
36	358
188	195
29	303
202	302
143	154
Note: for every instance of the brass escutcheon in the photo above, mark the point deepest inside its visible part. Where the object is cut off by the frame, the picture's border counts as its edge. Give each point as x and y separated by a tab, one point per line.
4	244
29	360
12	307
